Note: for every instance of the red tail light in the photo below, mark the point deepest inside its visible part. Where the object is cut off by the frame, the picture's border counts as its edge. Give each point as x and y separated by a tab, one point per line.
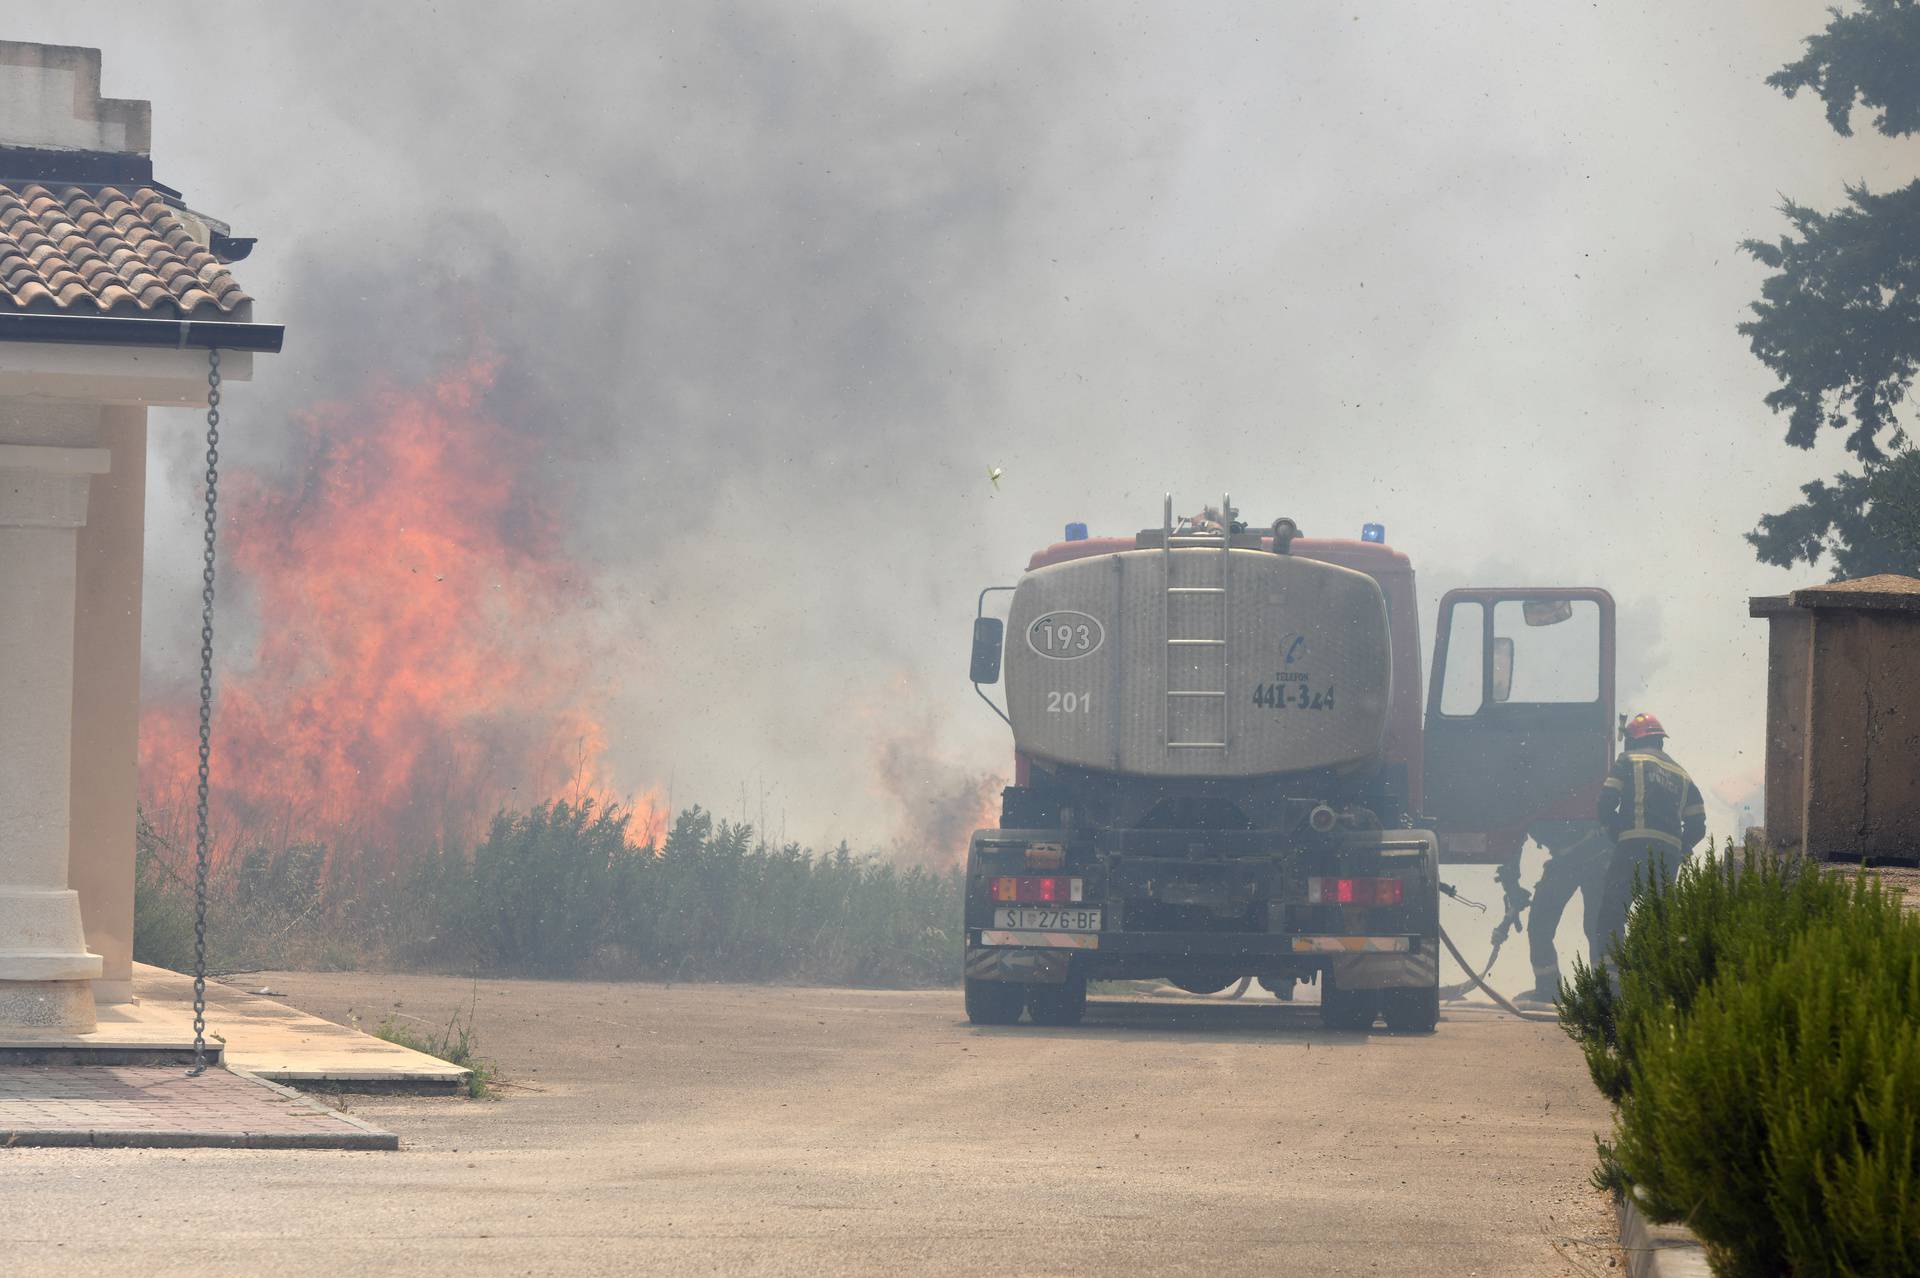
1028	889
1354	891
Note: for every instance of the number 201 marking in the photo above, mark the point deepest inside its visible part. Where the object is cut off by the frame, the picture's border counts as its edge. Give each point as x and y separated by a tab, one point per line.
1069	702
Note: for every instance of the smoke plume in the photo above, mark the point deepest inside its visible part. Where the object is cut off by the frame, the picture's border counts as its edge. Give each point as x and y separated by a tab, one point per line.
767	290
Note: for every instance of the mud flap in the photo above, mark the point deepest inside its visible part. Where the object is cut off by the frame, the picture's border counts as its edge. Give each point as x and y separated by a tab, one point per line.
1006	963
1416	969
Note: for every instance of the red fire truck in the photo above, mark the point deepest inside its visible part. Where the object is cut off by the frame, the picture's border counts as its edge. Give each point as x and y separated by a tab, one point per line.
1222	768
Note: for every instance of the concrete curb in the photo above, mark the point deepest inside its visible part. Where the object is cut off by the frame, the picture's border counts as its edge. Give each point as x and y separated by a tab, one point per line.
1659	1251
350	1084
106	1138
104	1054
376	1138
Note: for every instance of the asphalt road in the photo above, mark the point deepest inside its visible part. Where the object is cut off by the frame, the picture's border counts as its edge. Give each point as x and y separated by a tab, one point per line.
729	1129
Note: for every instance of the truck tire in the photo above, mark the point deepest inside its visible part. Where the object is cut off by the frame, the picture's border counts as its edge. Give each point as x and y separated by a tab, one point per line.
1346	1009
1058	1004
994	1002
1414	1011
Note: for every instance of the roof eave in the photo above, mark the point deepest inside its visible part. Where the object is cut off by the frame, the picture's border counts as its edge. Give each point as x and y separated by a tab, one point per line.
121	330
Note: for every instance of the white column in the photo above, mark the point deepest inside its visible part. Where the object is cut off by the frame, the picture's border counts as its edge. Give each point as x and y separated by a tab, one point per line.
106	699
45	969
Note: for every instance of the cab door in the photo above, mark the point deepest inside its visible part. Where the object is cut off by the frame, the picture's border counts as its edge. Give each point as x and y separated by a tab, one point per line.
1519	715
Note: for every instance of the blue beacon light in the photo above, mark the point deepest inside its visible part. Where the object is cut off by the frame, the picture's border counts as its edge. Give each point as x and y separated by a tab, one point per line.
1376	533
1076	532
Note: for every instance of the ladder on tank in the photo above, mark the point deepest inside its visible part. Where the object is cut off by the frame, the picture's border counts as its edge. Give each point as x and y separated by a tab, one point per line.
1197	616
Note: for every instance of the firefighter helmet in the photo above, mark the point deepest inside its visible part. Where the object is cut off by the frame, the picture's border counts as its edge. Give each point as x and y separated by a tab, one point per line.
1642	726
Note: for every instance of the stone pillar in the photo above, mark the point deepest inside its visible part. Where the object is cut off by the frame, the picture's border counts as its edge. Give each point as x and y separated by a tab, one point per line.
45	968
106	699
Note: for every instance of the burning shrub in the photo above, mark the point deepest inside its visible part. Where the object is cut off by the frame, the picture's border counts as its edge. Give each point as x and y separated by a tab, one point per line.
162	907
425	642
270	908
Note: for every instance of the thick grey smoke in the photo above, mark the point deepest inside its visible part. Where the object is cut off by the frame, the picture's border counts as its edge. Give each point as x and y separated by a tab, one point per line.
774	286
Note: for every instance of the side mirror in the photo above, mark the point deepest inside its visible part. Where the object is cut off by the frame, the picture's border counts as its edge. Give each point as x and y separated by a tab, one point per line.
1502	668
988	634
1546	612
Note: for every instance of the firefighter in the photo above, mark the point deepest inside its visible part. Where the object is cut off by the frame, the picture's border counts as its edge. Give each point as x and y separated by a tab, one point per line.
1578	856
1654	812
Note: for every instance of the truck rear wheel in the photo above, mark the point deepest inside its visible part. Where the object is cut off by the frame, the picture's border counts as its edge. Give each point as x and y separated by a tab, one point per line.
1346	1009
1415	1011
994	1002
1058	1004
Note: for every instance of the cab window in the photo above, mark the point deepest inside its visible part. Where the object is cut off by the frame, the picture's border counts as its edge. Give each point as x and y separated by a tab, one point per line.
1550	649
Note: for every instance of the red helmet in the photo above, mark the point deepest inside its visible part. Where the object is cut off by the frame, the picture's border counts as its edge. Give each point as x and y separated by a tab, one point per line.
1644	725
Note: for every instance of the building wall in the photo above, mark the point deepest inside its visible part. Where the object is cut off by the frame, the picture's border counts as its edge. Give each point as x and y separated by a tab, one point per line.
1891	715
94	396
1863	738
1790	635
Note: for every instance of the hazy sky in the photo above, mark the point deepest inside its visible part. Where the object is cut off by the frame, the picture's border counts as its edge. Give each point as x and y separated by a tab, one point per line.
775	286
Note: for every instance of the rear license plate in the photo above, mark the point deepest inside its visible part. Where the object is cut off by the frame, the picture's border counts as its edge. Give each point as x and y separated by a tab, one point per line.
1038	920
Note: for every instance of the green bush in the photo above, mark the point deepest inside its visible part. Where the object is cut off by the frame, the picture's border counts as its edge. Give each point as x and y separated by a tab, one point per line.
1779	1114
536	896
562	891
453	1044
1719	910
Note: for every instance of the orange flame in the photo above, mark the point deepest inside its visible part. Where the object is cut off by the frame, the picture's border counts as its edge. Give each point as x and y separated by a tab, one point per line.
424	654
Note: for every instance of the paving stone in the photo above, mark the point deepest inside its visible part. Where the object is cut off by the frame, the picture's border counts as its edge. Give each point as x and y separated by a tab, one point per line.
161	1106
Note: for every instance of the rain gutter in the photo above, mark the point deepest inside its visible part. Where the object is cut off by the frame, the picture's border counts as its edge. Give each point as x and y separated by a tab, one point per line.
115	330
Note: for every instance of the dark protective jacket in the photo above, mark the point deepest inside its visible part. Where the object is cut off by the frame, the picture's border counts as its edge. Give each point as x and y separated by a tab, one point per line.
1647	796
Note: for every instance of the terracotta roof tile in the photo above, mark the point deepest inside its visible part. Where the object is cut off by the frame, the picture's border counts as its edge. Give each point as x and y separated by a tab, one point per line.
108	251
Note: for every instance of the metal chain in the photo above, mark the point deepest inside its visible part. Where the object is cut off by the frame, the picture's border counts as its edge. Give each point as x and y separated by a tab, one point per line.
206	722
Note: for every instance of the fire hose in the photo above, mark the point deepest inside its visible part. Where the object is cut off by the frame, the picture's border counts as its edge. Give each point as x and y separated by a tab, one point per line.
1473	982
1480	981
1517	899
